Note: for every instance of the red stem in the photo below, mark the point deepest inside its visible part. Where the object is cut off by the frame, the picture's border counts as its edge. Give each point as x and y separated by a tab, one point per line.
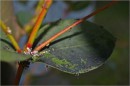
20	70
19	74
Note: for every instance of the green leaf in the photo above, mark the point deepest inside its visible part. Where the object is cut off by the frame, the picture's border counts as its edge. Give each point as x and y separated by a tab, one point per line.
82	49
2	34
4	41
10	56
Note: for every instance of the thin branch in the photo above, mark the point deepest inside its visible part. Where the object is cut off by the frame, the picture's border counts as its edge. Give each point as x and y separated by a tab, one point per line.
38	23
29	25
8	32
18	74
20	70
42	45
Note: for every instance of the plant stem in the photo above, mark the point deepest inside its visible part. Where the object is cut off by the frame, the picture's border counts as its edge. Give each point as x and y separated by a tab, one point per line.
20	70
42	45
19	74
8	32
38	23
30	24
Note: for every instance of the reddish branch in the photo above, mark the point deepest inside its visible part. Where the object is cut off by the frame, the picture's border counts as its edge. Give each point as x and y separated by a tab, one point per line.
19	74
39	20
22	66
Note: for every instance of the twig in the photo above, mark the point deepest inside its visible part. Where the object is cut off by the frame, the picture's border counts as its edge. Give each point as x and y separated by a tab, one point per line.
18	74
42	45
29	25
38	23
22	66
8	32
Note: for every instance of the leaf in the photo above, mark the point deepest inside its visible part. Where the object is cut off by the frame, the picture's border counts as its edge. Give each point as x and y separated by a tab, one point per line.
10	56
82	49
4	41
